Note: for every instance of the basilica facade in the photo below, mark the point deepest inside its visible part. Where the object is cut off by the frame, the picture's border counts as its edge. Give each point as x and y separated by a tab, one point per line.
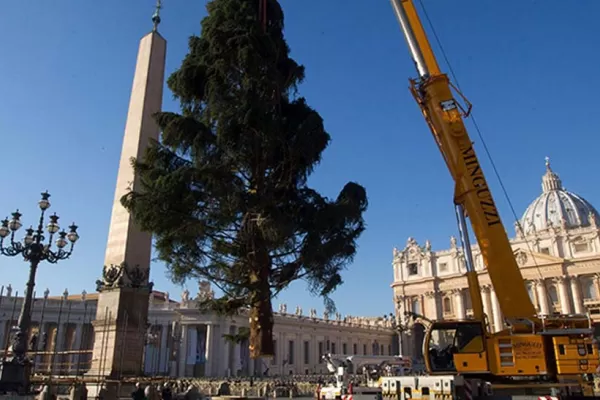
556	245
182	341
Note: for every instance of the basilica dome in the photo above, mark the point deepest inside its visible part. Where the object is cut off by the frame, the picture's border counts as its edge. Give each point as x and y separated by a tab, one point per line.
557	207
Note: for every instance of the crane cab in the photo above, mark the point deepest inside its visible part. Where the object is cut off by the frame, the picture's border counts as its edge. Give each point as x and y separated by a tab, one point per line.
452	347
465	347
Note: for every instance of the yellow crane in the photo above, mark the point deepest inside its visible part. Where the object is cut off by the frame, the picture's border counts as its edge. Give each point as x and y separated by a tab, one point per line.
533	347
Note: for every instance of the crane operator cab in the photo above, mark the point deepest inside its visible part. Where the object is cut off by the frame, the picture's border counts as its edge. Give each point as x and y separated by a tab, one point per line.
455	347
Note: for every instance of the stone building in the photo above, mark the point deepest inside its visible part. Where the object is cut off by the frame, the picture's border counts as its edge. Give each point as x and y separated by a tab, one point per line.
182	341
557	247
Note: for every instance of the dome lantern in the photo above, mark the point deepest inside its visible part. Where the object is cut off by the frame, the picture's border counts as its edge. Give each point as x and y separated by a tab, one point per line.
550	180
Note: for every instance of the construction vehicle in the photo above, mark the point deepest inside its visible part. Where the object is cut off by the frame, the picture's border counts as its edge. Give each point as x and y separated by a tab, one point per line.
360	376
433	387
532	348
391	378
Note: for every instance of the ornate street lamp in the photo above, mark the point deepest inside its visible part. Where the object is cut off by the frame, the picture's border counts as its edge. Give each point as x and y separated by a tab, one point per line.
14	373
402	325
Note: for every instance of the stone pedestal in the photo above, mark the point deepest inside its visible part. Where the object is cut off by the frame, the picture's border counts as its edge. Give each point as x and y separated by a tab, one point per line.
104	391
120	332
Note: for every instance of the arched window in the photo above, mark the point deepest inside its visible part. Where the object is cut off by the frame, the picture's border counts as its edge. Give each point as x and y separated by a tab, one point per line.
447	305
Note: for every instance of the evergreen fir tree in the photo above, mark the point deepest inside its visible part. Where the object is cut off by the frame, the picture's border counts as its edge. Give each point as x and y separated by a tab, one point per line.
225	191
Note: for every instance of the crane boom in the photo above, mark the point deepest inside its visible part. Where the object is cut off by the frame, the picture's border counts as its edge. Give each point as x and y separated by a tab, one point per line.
444	115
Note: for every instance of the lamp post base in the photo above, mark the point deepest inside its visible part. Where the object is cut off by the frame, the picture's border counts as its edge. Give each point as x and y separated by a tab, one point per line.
14	376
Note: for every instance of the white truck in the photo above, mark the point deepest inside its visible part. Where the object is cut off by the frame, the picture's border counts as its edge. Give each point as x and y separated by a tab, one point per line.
359	377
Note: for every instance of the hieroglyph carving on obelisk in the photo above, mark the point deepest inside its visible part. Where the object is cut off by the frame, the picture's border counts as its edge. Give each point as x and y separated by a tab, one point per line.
121	317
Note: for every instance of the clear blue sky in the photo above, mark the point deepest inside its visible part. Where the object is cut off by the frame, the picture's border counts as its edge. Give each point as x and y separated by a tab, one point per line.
529	67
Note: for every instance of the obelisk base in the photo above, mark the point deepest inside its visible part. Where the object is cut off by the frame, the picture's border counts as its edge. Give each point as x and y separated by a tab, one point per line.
120	333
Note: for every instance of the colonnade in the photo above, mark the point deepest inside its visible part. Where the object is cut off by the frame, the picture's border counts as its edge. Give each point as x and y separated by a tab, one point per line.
180	341
561	294
52	339
202	351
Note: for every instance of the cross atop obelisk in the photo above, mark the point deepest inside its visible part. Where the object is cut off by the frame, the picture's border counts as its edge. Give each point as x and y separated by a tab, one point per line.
156	15
124	287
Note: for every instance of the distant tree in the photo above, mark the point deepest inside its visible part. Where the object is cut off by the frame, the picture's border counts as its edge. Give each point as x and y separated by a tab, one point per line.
225	191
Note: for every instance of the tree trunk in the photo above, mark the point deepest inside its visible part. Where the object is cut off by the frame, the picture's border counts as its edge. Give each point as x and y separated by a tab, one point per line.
260	342
261	317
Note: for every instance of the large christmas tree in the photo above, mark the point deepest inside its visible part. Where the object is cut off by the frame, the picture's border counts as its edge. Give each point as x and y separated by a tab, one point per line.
225	191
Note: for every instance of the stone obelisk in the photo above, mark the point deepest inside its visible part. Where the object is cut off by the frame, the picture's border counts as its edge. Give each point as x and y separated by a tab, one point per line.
122	312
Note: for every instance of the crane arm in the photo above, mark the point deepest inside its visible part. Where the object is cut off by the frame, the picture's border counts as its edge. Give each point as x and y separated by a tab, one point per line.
444	115
416	38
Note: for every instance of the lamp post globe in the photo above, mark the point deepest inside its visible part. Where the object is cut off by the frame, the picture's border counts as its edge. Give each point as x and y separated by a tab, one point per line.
34	248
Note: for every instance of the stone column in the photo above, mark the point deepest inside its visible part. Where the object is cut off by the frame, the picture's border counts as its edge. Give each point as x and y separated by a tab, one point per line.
237	360
192	350
542	296
76	358
208	366
163	354
174	343
496	313
432	305
3	330
61	336
283	351
410	304
316	356
224	358
147	359
487	303
61	340
597	286
401	308
563	294
459	303
534	296
300	353
251	363
576	292
182	352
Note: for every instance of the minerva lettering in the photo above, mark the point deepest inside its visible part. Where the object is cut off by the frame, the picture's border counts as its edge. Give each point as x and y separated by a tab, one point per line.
527	350
483	192
528	345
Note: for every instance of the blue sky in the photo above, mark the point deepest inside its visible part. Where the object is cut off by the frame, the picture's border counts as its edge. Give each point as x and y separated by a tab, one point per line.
529	67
